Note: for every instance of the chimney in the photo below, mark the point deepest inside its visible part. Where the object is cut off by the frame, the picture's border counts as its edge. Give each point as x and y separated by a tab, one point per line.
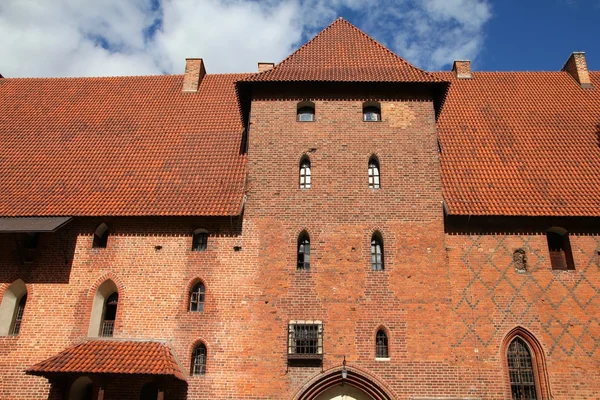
194	72
462	69
577	68
265	66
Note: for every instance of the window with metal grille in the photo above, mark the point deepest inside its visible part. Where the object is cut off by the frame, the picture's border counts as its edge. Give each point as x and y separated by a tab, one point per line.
371	111
381	345
110	312
520	368
16	325
305	339
377	252
197	298
305	111
100	236
559	248
198	360
200	240
303	251
373	173
305	178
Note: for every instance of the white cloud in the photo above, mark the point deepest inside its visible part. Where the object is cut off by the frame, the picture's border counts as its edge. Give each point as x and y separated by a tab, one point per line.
109	37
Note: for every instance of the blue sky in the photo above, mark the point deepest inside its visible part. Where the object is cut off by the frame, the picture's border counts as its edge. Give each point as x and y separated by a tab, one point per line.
139	37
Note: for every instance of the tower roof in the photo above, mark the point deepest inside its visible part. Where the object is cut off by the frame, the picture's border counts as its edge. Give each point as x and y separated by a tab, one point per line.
343	53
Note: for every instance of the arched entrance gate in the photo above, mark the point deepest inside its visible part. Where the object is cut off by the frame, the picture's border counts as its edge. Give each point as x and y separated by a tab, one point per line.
330	385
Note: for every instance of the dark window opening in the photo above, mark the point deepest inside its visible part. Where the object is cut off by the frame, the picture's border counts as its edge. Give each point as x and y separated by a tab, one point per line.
381	345
371	112
110	313
305	111
305	340
374	173
303	251
18	318
305	175
197	298
149	392
200	240
520	368
377	252
198	360
30	240
100	236
559	247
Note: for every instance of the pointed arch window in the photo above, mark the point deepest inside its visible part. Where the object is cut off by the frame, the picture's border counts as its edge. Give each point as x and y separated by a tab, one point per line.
305	111
303	251
197	298
16	325
200	240
198	366
374	173
381	344
12	308
109	315
305	174
100	236
377	252
521	370
559	248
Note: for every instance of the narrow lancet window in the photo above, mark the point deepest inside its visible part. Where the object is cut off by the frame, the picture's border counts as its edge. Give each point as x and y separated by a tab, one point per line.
197	298
521	370
198	360
303	251
373	173
381	345
377	252
305	175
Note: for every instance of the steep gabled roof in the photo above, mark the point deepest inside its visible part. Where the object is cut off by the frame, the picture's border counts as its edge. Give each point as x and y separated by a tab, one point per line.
122	146
521	143
343	53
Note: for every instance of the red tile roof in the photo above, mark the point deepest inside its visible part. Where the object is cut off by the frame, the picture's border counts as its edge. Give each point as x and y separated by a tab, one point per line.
521	143
112	357
120	146
342	52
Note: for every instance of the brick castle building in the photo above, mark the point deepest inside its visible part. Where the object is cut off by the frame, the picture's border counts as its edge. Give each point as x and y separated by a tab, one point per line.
341	225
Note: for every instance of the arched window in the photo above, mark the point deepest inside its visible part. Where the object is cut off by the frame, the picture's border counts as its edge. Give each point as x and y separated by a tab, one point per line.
305	111
200	240
559	247
149	392
12	308
197	298
82	389
110	314
381	344
100	236
373	173
305	178
303	251
104	310
377	252
371	111
198	360
521	370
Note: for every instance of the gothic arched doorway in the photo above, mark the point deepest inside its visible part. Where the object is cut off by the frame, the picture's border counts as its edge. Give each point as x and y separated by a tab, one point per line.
357	385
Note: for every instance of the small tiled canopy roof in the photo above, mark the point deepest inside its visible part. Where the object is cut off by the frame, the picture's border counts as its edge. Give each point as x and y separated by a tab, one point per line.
343	53
112	357
122	146
521	143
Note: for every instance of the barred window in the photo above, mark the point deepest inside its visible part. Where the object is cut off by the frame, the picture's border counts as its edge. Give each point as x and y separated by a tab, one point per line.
381	345
305	178
373	173
520	368
559	247
16	325
305	111
371	111
200	240
197	298
109	316
198	360
100	236
303	251
305	339
377	252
